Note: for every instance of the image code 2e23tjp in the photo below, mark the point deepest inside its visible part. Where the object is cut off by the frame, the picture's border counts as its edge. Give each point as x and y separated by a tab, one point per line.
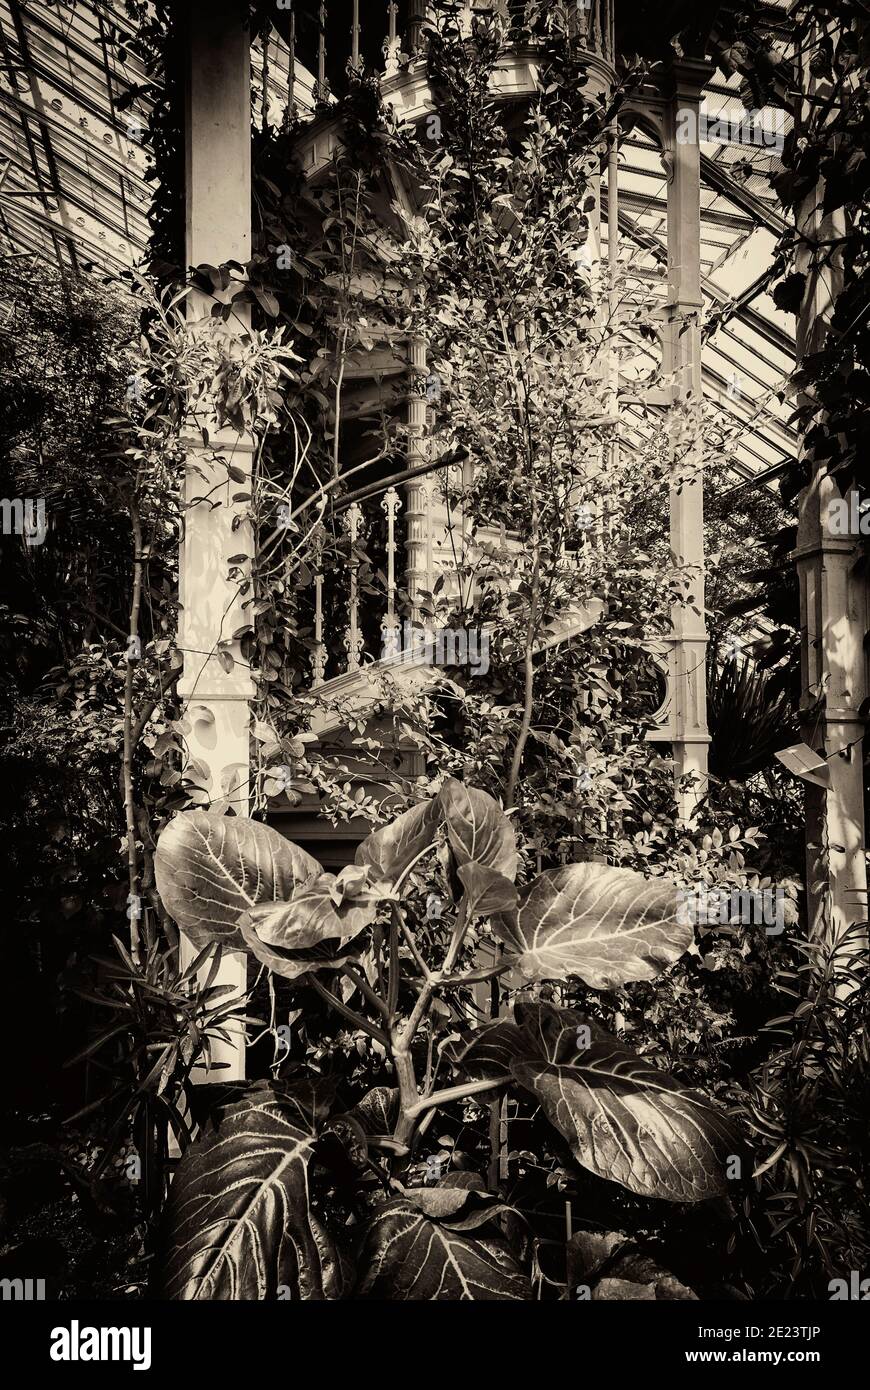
730	1334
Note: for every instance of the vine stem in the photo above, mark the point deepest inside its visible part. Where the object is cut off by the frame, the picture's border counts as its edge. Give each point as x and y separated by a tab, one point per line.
131	729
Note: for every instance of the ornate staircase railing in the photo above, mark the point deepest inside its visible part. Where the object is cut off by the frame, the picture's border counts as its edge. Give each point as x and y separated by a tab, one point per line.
325	36
376	557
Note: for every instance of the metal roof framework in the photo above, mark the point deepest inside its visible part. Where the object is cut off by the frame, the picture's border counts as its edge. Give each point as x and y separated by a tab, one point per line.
74	191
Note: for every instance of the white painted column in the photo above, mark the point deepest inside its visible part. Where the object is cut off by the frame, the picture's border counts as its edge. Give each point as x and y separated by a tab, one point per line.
218	229
835	614
681	344
834	618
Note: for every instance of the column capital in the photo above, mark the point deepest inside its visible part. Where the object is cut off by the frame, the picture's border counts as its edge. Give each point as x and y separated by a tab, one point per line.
690	76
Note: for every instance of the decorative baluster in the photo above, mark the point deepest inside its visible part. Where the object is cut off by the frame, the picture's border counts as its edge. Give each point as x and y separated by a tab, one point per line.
417	500
391	504
355	35
353	641
319	659
391	45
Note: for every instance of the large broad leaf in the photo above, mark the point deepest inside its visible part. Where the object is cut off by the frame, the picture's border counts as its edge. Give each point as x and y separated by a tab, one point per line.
315	912
608	926
626	1119
478	829
239	1222
487	891
390	851
290	965
551	1034
408	1255
488	1053
378	1110
210	869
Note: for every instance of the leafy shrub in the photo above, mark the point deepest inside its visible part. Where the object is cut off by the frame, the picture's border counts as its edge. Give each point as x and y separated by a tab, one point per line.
247	1216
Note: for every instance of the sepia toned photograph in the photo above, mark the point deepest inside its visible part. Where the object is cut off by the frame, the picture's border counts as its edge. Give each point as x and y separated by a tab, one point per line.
434	669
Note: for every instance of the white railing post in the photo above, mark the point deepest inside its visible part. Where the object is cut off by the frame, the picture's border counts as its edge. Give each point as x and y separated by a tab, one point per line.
354	640
391	504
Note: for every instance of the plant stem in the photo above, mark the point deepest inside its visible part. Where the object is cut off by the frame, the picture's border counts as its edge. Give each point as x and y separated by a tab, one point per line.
340	1008
411	943
459	931
393	987
467	1088
366	990
528	666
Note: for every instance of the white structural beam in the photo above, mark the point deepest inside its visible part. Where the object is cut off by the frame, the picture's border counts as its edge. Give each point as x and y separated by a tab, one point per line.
218	229
681	362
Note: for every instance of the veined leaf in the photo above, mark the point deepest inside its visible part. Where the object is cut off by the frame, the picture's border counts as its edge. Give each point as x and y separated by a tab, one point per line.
378	1110
487	1053
312	915
478	829
389	851
210	869
625	1119
554	1035
409	1256
633	1123
608	926
290	965
239	1222
487	890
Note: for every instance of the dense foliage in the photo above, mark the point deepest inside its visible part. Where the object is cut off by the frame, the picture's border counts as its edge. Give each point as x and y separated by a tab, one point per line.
457	1028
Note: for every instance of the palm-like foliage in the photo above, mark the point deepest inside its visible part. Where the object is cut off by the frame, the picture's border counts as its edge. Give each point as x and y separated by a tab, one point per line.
749	721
